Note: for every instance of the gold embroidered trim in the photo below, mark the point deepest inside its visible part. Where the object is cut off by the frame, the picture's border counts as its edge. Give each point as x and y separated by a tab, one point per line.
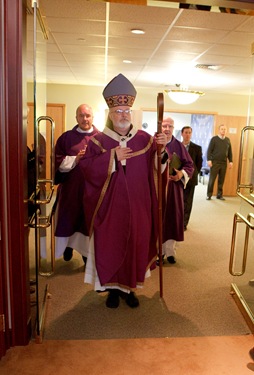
112	158
120	99
98	144
143	151
151	262
104	189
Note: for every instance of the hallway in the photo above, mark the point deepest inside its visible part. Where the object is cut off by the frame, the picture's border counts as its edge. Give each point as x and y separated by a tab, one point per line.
196	328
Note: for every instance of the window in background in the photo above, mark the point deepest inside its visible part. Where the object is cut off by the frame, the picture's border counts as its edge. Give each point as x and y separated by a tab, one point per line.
202	132
202	127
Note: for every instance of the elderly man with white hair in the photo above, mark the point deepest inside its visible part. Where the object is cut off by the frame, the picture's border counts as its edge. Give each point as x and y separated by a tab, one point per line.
120	189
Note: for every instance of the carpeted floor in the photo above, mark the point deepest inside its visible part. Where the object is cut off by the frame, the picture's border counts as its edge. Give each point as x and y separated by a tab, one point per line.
196	293
169	356
196	329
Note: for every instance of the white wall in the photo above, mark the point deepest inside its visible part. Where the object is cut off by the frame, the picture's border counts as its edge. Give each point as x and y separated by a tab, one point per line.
73	96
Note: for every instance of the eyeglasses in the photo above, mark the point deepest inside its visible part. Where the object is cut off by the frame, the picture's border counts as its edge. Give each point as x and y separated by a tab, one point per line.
120	111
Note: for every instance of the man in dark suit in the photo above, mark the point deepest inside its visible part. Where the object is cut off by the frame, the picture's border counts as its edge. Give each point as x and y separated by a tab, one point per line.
195	152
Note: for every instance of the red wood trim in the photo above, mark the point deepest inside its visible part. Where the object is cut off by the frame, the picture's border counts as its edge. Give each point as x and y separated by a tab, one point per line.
15	235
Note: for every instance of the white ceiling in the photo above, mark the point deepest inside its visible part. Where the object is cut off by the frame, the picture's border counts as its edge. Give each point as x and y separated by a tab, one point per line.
88	41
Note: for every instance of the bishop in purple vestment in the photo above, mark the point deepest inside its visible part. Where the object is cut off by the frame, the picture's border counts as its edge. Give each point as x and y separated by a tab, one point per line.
120	198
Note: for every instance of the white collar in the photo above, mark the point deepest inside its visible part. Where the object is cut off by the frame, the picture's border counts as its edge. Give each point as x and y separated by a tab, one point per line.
84	131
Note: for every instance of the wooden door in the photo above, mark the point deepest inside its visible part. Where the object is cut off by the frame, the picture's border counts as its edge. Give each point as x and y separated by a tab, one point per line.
234	126
2	310
14	267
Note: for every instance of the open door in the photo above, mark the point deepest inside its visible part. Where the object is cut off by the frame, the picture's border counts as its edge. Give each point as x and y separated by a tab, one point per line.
45	124
14	284
241	264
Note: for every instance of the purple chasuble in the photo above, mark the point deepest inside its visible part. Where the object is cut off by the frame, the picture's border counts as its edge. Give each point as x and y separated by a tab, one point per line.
121	208
173	203
71	187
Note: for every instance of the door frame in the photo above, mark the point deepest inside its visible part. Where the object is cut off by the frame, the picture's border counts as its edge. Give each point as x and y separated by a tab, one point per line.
14	262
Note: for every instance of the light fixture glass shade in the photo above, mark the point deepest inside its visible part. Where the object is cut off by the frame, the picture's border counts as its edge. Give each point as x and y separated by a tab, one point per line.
181	96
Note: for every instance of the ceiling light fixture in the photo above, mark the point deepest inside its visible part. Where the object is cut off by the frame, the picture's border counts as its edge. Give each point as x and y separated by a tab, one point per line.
208	66
138	31
183	96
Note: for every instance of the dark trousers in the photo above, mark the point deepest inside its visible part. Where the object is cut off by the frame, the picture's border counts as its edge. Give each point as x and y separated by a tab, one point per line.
188	194
217	169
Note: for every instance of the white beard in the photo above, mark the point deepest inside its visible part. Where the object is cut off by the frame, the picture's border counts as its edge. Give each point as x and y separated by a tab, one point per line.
123	124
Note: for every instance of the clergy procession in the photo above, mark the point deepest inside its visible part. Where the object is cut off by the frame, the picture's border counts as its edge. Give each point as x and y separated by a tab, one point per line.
108	198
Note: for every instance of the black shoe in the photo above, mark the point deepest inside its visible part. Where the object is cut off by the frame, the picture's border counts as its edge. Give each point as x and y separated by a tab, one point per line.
171	259
84	259
185	227
251	353
158	260
221	198
113	299
67	255
208	198
132	300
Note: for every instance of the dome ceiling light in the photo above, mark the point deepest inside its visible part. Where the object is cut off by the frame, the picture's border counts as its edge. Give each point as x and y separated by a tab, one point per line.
181	95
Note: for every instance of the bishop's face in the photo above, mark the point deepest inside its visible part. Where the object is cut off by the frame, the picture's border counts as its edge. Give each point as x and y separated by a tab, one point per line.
121	118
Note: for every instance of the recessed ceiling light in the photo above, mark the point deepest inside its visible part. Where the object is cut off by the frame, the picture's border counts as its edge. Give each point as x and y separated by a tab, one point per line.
208	66
127	61
138	31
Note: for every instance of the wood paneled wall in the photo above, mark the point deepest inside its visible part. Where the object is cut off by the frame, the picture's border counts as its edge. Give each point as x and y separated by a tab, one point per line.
57	113
234	126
